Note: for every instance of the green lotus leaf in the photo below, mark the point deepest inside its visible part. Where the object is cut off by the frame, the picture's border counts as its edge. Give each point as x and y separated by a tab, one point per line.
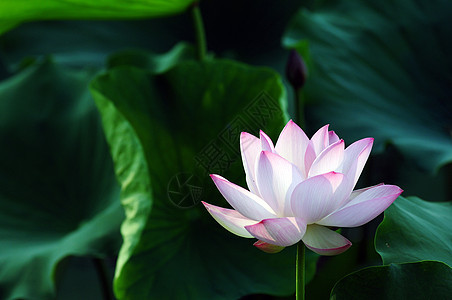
17	11
413	230
89	43
58	192
157	63
381	70
415	243
420	280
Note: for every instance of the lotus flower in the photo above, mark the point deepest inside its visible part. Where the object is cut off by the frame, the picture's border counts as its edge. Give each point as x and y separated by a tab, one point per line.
298	189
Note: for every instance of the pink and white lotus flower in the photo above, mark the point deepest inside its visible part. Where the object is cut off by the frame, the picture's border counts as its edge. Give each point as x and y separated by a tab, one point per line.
298	189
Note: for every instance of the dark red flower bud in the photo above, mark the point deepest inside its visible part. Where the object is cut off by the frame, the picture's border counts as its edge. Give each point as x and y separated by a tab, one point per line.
296	71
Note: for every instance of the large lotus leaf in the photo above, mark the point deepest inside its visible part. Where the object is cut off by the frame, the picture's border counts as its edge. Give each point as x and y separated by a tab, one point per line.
7	25
89	43
383	70
157	63
420	280
58	192
167	132
413	230
16	11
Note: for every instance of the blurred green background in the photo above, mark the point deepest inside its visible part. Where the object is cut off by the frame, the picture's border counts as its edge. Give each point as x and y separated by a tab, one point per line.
103	105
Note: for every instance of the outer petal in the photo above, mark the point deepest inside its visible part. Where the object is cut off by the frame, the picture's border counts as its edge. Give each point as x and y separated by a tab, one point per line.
230	219
315	198
324	241
276	179
266	247
320	139
364	207
291	145
279	231
245	202
266	142
355	157
328	160
356	193
250	147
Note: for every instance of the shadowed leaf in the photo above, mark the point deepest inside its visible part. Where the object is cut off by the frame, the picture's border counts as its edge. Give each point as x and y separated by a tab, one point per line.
413	230
383	71
58	192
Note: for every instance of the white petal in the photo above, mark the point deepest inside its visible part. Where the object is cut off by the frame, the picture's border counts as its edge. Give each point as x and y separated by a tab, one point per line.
266	142
276	179
320	139
355	157
356	193
292	144
364	207
329	159
245	202
250	147
315	198
324	241
279	231
230	219
332	137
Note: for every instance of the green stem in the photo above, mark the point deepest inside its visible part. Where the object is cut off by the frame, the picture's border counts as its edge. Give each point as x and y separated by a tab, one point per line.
300	274
201	46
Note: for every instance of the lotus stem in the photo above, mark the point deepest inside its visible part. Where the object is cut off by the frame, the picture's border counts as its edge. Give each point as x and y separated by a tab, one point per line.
300	271
201	46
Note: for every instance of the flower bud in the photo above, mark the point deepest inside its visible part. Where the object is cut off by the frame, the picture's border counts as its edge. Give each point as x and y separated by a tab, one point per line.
296	71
